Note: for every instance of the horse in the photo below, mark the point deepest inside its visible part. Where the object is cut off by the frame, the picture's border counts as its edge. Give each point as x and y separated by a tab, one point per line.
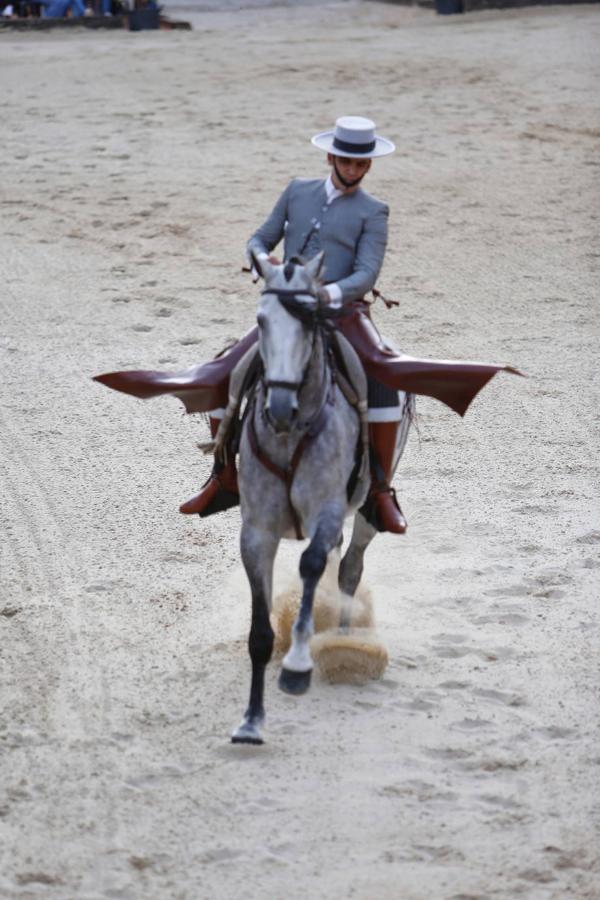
297	455
302	437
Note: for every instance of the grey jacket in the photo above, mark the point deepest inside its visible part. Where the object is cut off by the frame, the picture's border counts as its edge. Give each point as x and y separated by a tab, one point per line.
352	231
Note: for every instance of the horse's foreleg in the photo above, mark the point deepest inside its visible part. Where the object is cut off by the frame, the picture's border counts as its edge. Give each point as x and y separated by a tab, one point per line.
258	553
351	566
297	663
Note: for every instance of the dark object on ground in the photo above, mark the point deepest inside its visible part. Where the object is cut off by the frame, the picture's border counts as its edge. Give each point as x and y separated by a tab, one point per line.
448	7
143	19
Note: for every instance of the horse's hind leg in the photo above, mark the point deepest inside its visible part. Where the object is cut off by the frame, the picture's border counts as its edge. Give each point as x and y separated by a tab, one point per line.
258	553
351	566
297	663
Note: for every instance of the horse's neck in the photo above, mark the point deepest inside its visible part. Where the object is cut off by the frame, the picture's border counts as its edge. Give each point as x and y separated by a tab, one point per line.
313	392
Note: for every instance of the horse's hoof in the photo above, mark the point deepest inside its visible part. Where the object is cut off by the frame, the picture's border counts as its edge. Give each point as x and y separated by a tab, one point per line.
247	733
294	682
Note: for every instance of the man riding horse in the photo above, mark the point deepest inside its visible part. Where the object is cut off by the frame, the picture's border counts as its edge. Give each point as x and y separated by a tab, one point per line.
336	216
306	417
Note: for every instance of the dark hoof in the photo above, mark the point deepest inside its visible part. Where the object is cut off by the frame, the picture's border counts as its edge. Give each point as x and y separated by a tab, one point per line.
248	732
246	739
294	682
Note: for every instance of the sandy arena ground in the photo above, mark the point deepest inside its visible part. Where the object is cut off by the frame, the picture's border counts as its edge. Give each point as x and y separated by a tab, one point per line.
134	168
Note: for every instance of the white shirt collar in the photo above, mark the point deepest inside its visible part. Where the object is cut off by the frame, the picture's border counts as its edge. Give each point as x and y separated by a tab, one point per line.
331	190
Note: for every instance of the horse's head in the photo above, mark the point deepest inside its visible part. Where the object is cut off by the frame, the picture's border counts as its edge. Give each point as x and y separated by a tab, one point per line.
287	322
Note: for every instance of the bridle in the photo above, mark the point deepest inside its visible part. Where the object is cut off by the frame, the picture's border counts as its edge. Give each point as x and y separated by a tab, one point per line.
315	316
289	300
308	315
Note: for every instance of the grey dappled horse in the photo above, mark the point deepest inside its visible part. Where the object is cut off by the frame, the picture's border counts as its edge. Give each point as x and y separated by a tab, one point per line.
298	422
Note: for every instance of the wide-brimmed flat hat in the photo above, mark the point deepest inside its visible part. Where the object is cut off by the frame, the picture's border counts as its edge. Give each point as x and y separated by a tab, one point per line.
354	137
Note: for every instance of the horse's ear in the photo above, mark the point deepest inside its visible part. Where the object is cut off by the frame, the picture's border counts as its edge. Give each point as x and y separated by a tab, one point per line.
314	265
262	266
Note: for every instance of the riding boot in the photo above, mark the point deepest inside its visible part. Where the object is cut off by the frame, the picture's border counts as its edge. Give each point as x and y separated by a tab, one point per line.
220	491
381	508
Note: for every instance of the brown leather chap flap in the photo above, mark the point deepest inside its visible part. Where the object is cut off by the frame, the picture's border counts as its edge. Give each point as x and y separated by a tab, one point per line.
205	386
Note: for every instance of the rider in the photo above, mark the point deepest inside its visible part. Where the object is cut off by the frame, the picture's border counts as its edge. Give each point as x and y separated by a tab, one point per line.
337	216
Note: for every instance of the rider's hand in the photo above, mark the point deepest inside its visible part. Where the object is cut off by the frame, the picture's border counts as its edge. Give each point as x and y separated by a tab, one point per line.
324	296
274	261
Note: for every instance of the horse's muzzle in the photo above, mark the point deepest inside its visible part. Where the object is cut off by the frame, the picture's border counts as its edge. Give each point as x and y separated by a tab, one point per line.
281	408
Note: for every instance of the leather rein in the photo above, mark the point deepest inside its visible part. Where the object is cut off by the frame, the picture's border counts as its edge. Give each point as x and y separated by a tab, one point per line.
318	319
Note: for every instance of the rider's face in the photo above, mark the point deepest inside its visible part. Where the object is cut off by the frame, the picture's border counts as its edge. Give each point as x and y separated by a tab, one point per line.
350	169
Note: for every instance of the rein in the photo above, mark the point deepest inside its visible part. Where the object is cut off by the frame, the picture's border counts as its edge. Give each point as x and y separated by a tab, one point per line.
314	314
287	474
315	317
305	314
